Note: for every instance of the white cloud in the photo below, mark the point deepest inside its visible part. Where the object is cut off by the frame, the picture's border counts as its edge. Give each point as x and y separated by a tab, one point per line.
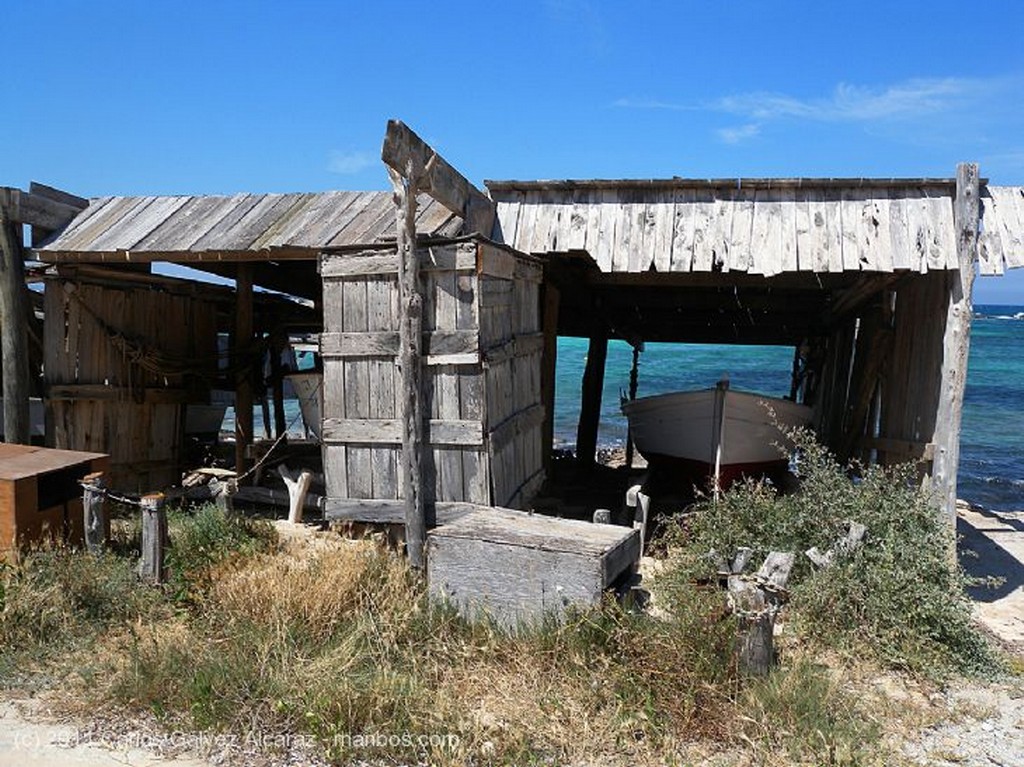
738	133
856	103
908	99
347	163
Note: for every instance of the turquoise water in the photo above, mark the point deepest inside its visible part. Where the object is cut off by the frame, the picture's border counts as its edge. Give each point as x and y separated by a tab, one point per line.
992	438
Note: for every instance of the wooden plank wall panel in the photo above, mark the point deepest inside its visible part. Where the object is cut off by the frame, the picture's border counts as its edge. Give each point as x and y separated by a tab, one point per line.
143	437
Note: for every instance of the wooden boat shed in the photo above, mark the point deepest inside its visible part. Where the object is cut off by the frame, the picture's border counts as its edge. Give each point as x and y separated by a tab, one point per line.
440	305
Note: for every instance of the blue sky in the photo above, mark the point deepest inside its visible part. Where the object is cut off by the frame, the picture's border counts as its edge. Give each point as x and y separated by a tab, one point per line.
216	97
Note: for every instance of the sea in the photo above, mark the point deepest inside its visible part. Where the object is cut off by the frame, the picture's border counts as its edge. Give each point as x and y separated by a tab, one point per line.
992	431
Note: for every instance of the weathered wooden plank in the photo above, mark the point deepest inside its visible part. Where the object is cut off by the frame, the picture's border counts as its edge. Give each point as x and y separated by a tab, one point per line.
787	237
679	248
576	221
495	262
741	233
507	213
990	241
899	233
720	232
403	150
503	433
1009	210
833	231
763	254
96	205
81	236
359	344
341	265
312	222
703	256
190	222
38	210
127	232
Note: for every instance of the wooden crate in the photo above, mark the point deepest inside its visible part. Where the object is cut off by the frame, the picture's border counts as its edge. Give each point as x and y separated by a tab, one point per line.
481	379
40	496
518	567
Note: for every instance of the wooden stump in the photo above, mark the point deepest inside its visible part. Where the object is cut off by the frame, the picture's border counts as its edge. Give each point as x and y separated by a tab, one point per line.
94	513
152	567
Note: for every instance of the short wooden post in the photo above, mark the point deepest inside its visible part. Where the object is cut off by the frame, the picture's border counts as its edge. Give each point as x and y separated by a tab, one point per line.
297	481
152	568
94	513
602	516
13	332
224	490
590	399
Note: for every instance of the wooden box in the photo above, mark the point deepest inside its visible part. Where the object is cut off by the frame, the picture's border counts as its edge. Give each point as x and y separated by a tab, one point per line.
519	567
40	495
482	346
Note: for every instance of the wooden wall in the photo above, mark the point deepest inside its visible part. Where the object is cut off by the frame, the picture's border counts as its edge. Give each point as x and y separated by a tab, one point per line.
113	362
481	383
881	380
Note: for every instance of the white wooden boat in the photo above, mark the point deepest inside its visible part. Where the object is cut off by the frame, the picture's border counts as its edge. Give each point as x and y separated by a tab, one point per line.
718	434
309	390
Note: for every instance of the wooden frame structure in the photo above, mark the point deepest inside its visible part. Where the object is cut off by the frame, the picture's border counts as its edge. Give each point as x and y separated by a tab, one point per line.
868	279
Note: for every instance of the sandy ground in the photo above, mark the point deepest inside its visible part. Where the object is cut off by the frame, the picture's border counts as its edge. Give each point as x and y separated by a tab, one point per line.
980	725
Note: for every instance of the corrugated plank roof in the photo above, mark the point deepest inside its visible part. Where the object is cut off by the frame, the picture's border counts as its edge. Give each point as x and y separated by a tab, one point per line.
756	226
141	228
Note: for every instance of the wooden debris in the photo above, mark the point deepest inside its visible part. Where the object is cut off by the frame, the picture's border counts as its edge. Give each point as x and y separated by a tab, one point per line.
843	547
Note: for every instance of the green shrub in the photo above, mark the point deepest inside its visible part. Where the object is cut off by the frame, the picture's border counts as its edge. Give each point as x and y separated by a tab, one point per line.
900	596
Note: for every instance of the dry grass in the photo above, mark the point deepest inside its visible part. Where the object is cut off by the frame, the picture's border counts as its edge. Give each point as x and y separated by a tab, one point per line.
333	639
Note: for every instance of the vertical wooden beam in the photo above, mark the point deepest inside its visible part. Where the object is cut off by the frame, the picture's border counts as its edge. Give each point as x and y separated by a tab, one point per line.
13	329
278	343
549	364
243	367
956	342
409	359
590	399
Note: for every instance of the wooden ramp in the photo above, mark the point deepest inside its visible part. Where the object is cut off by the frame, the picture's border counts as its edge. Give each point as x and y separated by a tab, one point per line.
518	567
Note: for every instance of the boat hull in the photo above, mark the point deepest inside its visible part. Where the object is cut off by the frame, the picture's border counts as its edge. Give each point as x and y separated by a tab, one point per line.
309	390
693	433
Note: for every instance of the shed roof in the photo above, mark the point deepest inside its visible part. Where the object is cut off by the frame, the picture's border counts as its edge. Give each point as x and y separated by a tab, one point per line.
237	227
756	226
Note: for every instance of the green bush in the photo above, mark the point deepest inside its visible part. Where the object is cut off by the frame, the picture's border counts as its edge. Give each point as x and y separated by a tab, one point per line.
900	596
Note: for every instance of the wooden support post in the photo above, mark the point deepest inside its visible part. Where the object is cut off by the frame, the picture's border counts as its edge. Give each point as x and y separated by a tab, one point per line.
243	366
278	343
590	399
549	364
409	358
634	381
956	343
297	481
154	538
94	514
13	332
